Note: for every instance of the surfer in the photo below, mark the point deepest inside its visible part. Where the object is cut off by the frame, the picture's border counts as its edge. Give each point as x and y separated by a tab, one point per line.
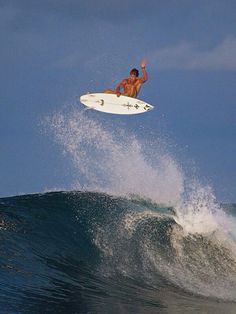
132	84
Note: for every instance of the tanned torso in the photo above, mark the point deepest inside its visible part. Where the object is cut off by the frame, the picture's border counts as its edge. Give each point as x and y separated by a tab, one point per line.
131	85
131	88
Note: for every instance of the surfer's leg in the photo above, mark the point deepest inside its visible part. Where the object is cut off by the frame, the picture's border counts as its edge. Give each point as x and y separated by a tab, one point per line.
109	91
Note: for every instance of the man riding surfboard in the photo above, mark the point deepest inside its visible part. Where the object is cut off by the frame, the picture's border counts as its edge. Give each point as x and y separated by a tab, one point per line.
132	84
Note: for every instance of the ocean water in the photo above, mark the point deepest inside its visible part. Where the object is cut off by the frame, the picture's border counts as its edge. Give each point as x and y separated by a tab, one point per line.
84	252
134	233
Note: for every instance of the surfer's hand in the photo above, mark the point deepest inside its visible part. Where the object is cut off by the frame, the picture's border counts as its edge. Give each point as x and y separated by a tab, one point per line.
142	63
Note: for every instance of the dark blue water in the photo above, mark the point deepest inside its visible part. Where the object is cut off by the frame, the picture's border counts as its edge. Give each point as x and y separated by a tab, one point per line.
81	252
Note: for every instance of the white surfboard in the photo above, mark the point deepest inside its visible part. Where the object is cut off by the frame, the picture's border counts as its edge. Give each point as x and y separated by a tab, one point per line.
111	103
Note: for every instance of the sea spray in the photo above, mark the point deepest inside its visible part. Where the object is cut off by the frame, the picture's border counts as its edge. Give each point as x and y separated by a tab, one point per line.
110	159
113	160
195	211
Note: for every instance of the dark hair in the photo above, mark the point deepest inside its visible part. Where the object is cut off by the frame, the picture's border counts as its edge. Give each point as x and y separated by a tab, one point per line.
135	72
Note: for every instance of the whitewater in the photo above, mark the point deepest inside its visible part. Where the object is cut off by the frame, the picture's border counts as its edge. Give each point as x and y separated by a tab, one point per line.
137	231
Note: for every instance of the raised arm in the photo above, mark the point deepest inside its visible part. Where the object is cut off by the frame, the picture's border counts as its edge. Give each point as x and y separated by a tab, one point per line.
144	76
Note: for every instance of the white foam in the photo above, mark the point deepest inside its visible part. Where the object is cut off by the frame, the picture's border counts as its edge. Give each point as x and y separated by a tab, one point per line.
196	213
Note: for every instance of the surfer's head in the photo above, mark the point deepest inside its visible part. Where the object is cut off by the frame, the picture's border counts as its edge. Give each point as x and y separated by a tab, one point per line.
134	72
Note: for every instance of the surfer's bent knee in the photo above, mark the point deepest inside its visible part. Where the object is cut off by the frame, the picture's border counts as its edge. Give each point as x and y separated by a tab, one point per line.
108	91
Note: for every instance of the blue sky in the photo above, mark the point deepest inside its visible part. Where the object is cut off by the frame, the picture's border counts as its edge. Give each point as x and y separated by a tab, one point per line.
52	51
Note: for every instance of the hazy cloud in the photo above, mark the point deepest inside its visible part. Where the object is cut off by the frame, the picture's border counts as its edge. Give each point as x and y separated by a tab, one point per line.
188	56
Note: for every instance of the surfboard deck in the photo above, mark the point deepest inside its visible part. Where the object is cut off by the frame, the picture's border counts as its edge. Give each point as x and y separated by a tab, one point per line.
111	103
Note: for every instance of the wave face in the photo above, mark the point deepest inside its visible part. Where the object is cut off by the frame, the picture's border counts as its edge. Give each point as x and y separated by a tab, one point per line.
84	252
